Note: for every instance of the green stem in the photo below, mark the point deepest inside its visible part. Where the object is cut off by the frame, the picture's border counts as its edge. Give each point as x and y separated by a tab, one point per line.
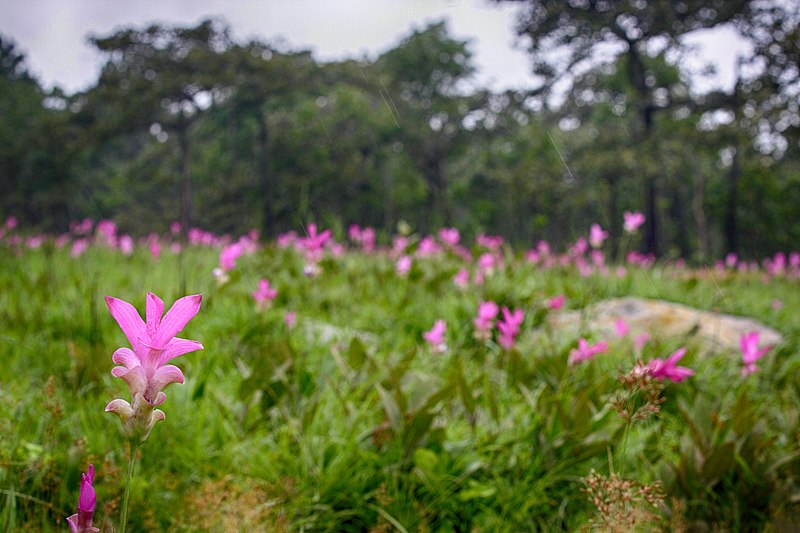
126	498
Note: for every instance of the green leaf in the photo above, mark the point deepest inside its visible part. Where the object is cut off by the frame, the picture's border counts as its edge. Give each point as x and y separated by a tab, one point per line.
718	462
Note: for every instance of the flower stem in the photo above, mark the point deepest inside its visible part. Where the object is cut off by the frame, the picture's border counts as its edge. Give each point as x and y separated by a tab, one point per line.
126	498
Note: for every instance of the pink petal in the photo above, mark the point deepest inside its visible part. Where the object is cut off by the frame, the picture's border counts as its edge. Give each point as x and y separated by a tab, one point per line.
73	523
676	356
176	347
128	319
120	407
135	378
165	375
154	308
126	357
182	311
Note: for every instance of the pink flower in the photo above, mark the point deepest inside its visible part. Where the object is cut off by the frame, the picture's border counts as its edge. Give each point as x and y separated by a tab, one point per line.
144	368
621	328
597	236
556	302
290	319
668	368
435	336
264	294
229	255
640	340
79	247
632	221
81	522
449	236
403	265
586	351
750	352
487	311
11	223
461	278
126	245
488	241
508	326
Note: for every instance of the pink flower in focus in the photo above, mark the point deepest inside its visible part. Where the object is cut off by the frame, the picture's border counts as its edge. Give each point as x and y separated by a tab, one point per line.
750	352
586	351
668	368
508	326
597	235
487	311
264	294
81	522
435	336
632	221
144	368
556	302
621	328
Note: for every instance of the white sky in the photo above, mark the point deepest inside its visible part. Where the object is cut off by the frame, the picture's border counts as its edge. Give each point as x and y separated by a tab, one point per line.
52	33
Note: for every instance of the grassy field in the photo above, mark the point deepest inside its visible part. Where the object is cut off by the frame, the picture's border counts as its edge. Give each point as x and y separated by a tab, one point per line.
348	420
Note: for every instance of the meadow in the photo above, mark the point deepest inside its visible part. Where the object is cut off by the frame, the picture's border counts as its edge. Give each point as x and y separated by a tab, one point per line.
330	402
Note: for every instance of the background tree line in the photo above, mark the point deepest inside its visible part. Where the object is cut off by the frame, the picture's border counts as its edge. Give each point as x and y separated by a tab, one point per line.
188	124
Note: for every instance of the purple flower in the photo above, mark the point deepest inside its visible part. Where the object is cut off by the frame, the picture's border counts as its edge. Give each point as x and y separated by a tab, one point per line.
597	235
487	311
556	302
81	522
144	368
668	368
264	294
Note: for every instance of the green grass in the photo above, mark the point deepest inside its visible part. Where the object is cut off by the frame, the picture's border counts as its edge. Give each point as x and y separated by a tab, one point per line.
349	423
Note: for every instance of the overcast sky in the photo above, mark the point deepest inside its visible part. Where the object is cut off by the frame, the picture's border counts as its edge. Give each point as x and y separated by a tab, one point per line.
52	33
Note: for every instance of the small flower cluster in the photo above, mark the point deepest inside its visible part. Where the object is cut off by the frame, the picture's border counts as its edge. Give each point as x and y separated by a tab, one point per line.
641	398
623	505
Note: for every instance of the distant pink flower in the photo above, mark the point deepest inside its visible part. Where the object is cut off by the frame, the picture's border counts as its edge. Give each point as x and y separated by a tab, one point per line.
580	247
777	304
556	303
126	245
597	235
668	368
750	352
314	242
175	228
264	294
621	328
229	255
403	265
81	522
79	246
399	245
461	278
632	221
144	368
290	319
286	239
435	336
11	223
487	311
488	241
508	327
428	247
449	236
640	340
586	351
155	246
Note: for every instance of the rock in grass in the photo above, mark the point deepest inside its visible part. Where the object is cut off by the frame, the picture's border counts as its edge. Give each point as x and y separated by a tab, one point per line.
720	332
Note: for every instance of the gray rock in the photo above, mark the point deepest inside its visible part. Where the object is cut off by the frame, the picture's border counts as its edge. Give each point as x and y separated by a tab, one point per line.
663	319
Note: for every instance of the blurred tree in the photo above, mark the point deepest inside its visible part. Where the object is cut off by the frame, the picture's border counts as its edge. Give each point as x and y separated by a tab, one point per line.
161	79
425	82
566	38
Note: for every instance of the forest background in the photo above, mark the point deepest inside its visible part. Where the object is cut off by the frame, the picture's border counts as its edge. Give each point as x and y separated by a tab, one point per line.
189	124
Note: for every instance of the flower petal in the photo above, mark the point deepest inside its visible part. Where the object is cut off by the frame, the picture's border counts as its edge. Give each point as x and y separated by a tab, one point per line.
73	523
135	378
177	347
164	376
154	309
120	408
128	319
182	311
126	357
